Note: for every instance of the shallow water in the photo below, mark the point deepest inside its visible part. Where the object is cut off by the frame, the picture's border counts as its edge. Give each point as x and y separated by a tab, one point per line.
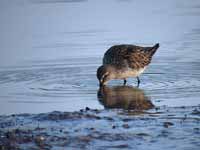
50	50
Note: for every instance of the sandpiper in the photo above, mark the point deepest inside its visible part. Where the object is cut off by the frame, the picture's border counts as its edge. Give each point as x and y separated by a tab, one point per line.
124	61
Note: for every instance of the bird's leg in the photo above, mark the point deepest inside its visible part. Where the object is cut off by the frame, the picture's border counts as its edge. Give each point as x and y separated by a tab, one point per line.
138	79
124	81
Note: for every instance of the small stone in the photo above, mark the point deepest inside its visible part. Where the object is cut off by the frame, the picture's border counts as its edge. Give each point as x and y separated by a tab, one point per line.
167	124
85	138
76	130
87	108
17	131
185	117
196	130
39	140
126	119
108	118
113	126
125	126
183	107
142	134
158	100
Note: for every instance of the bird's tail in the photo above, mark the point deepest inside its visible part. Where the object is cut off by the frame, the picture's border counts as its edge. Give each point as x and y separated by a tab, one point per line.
153	49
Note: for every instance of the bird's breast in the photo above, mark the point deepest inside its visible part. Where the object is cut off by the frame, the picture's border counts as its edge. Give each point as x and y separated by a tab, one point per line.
128	72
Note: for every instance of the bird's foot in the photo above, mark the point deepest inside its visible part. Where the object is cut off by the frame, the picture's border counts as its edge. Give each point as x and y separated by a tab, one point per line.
138	79
125	81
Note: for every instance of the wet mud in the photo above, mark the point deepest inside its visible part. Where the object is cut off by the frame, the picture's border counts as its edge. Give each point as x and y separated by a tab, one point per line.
157	128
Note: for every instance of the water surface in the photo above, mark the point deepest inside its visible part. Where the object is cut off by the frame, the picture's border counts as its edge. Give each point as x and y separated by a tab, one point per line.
50	50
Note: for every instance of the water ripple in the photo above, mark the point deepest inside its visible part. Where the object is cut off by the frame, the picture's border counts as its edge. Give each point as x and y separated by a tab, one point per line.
43	83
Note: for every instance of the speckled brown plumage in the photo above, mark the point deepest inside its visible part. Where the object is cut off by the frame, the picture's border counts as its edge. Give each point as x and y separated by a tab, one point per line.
131	56
124	61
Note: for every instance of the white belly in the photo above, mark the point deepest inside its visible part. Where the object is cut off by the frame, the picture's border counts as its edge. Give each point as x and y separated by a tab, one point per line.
128	73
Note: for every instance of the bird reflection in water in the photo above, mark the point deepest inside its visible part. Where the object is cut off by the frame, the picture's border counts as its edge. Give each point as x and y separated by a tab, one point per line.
124	97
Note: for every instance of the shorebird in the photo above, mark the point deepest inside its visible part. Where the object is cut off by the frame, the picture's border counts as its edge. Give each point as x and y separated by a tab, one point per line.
124	61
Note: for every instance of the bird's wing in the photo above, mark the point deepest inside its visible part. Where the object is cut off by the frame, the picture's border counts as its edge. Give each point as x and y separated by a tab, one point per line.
127	55
115	55
137	59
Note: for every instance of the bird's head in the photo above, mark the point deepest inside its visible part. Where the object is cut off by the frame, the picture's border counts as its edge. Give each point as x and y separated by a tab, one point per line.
103	74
